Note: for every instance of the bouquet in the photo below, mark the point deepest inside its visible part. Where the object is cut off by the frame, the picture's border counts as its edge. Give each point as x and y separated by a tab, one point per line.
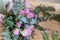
19	24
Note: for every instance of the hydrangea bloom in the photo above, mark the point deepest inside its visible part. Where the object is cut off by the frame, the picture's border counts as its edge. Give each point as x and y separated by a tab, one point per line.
18	24
27	4
21	12
16	32
26	10
28	31
30	15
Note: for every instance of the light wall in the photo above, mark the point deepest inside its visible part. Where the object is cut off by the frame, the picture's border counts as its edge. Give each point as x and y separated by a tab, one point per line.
55	5
54	1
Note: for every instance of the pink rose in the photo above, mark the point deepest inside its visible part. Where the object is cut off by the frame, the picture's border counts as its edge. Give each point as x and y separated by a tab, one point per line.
26	10
18	24
16	31
21	12
30	15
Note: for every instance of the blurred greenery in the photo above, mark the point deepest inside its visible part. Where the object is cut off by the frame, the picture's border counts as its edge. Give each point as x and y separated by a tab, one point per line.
46	11
38	27
57	17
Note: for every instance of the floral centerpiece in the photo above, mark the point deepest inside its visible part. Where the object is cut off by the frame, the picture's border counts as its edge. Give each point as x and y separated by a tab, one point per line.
20	22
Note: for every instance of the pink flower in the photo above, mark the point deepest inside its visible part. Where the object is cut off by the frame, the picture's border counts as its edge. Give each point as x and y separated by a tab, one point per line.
30	15
31	7
26	10
21	12
31	27
27	4
16	32
18	24
28	31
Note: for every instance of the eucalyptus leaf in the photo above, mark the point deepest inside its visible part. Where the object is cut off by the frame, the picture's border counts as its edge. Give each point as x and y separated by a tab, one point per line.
15	37
6	35
33	21
17	5
24	19
17	0
6	38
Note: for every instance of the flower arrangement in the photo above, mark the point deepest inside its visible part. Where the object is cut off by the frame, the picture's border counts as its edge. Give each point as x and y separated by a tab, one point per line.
20	23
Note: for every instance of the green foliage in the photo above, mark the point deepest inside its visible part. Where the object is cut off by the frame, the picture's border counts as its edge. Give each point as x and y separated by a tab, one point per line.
50	8
6	35
57	17
44	9
9	21
15	37
45	36
38	27
17	5
55	36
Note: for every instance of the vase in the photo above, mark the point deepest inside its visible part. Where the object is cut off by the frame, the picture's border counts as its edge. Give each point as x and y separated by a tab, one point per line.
3	4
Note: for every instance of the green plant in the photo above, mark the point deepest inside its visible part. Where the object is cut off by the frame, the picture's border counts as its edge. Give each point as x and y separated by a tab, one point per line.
44	9
57	17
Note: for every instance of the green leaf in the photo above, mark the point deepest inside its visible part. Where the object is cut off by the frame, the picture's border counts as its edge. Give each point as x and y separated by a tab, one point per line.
15	37
9	23
6	38
17	6
57	17
50	8
55	35
45	36
38	27
6	35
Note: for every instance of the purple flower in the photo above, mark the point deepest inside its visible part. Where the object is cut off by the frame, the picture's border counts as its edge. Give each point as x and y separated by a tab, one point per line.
30	15
21	12
18	24
26	10
27	4
31	7
28	31
16	31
